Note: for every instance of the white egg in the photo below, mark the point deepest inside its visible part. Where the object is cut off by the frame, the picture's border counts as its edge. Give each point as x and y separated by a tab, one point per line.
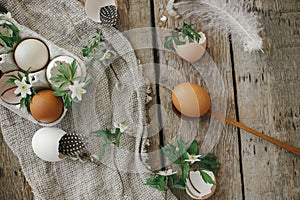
45	143
92	8
31	53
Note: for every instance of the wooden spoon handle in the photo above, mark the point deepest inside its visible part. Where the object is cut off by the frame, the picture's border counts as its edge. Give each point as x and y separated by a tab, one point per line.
254	132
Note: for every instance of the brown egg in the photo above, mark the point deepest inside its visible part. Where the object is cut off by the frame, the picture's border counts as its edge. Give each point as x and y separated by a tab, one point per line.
191	99
45	107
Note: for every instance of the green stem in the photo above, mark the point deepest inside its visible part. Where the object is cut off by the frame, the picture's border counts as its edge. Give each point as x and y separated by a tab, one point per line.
166	189
118	172
115	73
166	194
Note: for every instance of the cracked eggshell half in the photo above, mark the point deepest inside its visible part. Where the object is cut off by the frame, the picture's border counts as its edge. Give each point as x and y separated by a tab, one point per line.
192	52
92	8
7	90
197	188
45	143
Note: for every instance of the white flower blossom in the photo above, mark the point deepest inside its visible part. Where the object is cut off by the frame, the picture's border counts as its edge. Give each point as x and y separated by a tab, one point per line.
163	19
167	172
107	57
193	158
23	88
8	15
77	90
121	126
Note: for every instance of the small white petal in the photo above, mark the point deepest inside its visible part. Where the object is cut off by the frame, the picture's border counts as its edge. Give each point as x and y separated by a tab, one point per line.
163	18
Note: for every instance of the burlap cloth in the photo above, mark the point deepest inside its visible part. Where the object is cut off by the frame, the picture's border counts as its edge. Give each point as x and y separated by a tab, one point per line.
100	108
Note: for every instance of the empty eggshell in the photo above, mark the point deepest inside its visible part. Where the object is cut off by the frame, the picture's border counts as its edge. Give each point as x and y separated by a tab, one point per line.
191	191
191	99
92	8
31	53
192	52
45	143
196	186
7	90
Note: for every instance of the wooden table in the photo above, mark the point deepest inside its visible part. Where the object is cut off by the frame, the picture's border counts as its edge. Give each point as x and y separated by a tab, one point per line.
262	91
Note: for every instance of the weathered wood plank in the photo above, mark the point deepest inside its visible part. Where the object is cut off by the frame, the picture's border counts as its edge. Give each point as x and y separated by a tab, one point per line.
13	185
269	101
135	14
227	150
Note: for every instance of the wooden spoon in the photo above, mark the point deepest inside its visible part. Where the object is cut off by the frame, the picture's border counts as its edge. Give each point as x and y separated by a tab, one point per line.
254	132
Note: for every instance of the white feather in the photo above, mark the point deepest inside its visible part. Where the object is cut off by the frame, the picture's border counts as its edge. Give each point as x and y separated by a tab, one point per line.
220	15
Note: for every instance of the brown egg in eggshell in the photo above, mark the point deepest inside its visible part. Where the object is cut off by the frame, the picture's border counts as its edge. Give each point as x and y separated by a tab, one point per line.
45	107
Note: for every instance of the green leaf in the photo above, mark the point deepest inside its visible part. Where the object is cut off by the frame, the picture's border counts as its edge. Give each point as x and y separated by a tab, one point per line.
15	77
59	78
177	186
207	178
118	139
168	42
210	162
20	77
10	41
208	155
68	101
185	156
159	183
101	133
63	85
182	147
63	69
172	157
10	81
22	102
102	150
26	75
172	180
208	168
88	50
59	93
193	149
180	184
185	170
73	69
27	102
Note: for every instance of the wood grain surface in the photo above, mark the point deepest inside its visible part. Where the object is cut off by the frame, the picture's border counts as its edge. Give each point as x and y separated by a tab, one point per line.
262	91
268	97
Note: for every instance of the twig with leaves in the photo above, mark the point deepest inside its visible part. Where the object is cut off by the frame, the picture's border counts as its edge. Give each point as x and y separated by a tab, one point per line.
70	86
9	35
99	49
179	37
112	138
187	159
